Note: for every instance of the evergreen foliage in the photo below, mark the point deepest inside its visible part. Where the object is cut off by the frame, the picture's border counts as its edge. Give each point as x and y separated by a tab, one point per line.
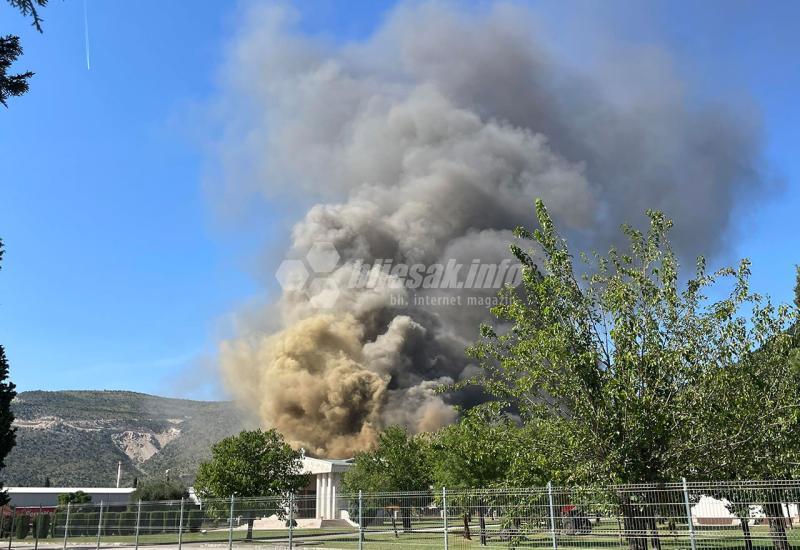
7	394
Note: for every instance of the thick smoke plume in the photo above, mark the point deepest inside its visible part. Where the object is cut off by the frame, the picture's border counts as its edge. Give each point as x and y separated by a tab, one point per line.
430	141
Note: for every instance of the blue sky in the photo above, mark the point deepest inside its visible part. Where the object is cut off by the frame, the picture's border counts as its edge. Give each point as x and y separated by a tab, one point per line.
117	273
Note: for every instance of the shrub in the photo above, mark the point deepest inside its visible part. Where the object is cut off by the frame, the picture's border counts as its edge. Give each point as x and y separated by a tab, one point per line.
78	497
76	525
41	526
159	489
194	520
23	526
59	521
57	524
127	523
90	523
144	522
35	525
110	523
156	522
5	525
171	519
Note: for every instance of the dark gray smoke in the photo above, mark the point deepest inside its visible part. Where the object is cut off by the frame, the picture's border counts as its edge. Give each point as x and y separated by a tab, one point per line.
430	141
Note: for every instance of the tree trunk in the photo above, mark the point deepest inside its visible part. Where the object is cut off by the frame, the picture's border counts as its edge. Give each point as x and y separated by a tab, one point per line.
635	525
482	523
249	536
746	536
777	526
651	511
467	534
406	513
655	539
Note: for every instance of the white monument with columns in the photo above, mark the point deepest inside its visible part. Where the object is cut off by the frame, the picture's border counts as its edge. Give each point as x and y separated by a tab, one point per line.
328	477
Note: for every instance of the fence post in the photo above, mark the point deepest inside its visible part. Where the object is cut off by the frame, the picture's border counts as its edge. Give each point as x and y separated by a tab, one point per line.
291	519
230	527
99	525
13	527
360	522
444	518
552	515
66	525
138	517
36	529
180	526
689	514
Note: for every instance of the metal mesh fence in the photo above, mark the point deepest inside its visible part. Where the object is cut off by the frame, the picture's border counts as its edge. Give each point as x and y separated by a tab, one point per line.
748	514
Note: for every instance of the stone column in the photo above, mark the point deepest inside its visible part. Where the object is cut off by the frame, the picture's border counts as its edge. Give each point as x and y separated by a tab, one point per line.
322	496
334	504
318	507
326	496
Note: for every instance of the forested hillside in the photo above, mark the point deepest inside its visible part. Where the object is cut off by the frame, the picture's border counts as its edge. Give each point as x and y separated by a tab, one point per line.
76	438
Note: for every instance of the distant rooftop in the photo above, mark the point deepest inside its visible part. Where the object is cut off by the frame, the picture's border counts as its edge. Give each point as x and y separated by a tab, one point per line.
60	490
324	465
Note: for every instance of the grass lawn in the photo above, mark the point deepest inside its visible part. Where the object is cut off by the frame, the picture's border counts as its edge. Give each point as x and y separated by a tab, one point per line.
428	534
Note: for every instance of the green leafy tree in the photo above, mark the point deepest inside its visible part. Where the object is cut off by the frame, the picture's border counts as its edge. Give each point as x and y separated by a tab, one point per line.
252	464
41	525
750	428
477	452
749	422
23	526
77	497
12	85
797	287
29	8
399	462
156	521
7	393
159	489
615	367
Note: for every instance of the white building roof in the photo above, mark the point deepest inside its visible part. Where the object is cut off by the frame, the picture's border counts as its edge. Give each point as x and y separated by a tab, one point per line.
323	466
60	490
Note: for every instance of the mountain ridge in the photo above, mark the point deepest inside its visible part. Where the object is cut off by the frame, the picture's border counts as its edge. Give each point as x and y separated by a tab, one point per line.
77	437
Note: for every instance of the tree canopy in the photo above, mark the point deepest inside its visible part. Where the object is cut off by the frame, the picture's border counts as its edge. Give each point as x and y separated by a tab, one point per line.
617	368
7	393
252	464
397	463
12	85
159	489
477	452
29	8
77	497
